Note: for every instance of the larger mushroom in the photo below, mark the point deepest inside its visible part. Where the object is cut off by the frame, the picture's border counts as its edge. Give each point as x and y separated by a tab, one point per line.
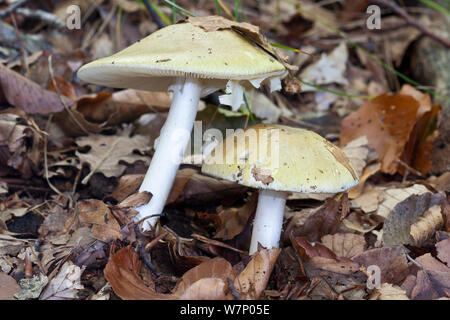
278	159
192	63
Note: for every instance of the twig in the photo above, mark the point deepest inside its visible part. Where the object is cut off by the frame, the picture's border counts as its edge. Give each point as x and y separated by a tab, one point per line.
102	159
214	242
23	55
411	21
66	107
43	16
147	261
47	128
152	243
12	8
409	168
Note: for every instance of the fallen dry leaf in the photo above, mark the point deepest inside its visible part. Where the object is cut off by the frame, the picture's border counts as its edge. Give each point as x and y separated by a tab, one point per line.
392	262
393	196
388	291
96	213
252	281
28	96
8	287
100	159
124	106
128	184
387	121
21	144
325	220
328	69
122	272
65	285
443	251
345	245
207	281
191	186
413	220
234	220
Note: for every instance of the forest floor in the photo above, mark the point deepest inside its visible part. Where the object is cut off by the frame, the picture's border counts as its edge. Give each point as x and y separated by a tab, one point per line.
73	155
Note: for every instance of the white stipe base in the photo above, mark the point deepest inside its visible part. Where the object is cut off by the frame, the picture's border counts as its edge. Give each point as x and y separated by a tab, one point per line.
268	220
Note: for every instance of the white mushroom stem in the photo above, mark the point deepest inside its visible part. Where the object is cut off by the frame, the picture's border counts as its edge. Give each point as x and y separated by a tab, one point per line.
268	220
173	140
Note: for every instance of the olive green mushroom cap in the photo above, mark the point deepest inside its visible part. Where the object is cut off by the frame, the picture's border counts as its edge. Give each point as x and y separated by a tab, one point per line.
281	158
183	49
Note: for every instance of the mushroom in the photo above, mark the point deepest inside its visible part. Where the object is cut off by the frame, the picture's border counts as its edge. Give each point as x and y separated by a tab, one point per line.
192	63
278	159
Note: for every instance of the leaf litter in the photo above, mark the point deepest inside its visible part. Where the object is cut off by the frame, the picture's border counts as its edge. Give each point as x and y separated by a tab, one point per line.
73	155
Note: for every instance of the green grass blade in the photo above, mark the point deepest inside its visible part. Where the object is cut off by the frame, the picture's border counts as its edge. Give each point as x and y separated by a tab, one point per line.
249	111
182	10
218	12
435	6
174	13
236	10
160	14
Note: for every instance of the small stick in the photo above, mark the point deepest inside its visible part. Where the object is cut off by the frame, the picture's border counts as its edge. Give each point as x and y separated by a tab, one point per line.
66	107
152	243
100	162
148	262
44	16
12	8
23	55
411	21
409	168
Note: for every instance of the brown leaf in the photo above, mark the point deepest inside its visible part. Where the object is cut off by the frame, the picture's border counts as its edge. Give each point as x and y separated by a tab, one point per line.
128	184
437	273
108	152
307	251
325	220
345	245
418	151
443	251
65	285
410	222
122	272
234	220
27	95
393	196
192	186
105	226
392	262
124	106
21	144
208	281
8	287
252	281
441	183
387	121
135	200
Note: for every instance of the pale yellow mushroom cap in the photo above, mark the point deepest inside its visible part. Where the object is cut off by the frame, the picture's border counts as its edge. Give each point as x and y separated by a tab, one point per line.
283	159
183	49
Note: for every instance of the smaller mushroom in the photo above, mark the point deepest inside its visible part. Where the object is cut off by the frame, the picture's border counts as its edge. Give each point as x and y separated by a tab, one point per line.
278	159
